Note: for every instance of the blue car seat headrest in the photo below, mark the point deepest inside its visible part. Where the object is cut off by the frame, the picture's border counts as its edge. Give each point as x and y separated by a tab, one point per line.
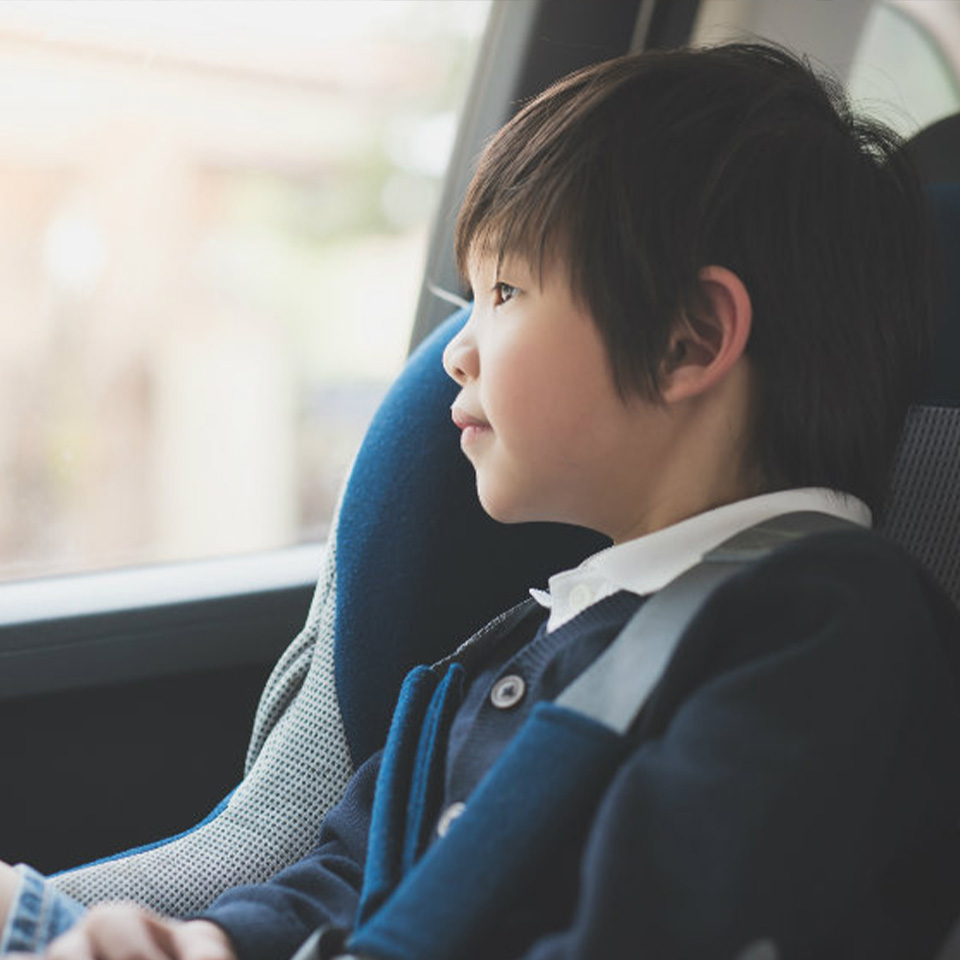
420	566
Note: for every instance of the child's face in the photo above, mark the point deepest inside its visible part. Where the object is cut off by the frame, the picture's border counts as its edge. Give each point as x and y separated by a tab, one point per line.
543	425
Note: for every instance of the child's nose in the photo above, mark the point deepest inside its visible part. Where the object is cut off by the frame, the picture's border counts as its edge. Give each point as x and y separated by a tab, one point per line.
460	357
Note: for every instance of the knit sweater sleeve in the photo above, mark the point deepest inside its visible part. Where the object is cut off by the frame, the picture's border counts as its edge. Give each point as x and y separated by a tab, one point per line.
269	921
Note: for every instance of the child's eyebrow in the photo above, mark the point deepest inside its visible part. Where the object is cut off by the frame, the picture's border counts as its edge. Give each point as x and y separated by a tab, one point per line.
514	266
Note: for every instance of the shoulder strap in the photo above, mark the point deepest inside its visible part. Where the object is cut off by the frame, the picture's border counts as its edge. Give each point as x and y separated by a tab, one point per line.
614	688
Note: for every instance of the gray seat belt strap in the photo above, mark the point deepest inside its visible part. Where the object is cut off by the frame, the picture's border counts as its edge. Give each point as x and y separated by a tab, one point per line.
614	688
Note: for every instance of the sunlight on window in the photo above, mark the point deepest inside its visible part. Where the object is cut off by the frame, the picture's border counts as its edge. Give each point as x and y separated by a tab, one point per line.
924	44
213	217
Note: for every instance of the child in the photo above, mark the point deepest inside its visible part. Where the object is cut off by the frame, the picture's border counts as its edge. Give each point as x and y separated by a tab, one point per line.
701	301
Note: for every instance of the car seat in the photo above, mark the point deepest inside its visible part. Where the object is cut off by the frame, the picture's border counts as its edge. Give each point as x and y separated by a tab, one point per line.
935	150
923	512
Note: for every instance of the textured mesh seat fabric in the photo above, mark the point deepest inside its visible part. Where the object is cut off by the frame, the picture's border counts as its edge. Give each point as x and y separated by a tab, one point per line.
413	566
923	512
923	509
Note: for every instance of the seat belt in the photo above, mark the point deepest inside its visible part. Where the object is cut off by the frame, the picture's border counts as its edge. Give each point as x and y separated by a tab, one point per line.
614	688
554	770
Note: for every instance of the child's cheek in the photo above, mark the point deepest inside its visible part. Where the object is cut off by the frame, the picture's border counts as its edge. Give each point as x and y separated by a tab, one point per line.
517	396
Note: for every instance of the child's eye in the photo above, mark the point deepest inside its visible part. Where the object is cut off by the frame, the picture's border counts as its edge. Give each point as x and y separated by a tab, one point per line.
503	292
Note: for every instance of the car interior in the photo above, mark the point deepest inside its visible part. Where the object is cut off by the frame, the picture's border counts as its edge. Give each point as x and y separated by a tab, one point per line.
129	697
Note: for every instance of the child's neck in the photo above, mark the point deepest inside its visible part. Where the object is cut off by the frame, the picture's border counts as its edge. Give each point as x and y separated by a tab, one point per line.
706	465
672	510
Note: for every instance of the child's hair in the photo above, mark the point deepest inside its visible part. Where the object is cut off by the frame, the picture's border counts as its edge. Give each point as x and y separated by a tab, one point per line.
640	171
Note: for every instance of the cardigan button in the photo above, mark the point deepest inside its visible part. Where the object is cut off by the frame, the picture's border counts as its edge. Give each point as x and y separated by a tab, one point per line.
448	816
508	691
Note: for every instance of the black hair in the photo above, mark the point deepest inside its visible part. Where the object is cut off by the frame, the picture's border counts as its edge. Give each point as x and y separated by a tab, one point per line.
640	171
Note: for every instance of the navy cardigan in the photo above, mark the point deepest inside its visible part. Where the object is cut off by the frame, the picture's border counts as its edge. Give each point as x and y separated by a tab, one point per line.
794	776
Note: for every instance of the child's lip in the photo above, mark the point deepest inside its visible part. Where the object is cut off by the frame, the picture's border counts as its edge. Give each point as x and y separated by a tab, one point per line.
463	419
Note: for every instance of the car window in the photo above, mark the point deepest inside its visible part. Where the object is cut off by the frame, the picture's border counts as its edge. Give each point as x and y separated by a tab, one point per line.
905	66
212	228
900	59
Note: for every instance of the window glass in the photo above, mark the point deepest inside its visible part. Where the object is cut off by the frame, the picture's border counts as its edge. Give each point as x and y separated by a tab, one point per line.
903	71
213	218
900	59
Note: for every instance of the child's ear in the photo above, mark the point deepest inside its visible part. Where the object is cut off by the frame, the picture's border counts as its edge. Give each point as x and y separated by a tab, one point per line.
703	348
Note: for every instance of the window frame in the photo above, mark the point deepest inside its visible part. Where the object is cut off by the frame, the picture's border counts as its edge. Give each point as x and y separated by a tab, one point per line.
119	626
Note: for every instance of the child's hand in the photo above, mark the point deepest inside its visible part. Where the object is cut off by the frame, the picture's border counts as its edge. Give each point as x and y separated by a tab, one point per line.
122	931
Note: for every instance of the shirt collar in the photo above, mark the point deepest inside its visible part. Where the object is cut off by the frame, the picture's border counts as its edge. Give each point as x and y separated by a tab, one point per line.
648	563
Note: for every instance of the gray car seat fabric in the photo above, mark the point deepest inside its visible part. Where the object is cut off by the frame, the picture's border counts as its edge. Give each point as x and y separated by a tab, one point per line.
923	513
923	510
297	766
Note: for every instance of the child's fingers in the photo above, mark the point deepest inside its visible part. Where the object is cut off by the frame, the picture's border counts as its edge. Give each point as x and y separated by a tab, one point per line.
162	932
200	940
111	932
73	945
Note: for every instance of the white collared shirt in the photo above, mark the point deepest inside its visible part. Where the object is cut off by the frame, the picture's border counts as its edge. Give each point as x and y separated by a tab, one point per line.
648	563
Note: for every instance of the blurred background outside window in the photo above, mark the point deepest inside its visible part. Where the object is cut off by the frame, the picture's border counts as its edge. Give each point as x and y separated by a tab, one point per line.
213	217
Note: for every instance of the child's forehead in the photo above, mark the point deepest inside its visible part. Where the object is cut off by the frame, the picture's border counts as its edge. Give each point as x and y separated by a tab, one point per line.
491	257
489	261
487	268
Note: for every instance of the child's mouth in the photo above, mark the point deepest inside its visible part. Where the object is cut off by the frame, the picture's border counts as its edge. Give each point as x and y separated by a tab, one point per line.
472	433
472	428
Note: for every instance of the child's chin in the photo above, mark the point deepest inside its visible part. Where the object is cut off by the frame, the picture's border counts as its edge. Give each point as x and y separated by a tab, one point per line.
493	506
503	511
